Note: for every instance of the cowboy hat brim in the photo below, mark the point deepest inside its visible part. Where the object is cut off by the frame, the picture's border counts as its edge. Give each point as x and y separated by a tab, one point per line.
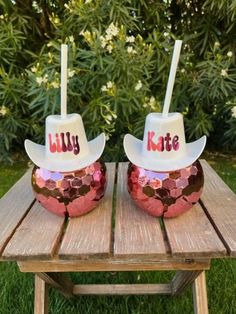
133	150
37	154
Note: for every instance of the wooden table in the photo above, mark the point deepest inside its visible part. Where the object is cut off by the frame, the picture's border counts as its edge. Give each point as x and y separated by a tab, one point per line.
117	236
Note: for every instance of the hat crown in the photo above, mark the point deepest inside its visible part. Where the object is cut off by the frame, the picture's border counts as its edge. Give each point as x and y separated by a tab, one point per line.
164	137
65	137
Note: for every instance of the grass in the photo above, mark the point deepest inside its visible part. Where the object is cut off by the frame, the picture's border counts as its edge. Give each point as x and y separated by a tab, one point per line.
9	174
17	289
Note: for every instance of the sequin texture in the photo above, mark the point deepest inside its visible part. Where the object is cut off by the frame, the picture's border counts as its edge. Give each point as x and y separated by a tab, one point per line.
70	193
166	194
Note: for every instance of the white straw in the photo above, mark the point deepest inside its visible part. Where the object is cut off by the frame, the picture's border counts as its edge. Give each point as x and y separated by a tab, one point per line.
171	79
64	52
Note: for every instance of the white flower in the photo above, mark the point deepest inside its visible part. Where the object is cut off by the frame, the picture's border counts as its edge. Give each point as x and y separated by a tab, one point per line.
107	137
109	117
152	102
1	17
112	30
104	88
183	70
110	84
56	20
41	79
3	111
229	54
103	41
166	34
87	35
108	37
71	38
130	39
34	69
71	73
131	50
55	84
224	72
109	48
233	110
50	57
106	42
138	86
216	44
88	1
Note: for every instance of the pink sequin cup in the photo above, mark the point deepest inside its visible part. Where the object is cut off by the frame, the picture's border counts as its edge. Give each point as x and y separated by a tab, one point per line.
166	194
70	193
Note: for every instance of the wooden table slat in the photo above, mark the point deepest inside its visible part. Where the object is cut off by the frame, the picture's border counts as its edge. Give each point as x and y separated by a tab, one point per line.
13	207
90	235
37	236
113	264
136	232
220	204
192	235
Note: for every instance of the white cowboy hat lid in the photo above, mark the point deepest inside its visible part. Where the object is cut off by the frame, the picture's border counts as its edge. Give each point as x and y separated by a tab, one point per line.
66	147
50	158
160	159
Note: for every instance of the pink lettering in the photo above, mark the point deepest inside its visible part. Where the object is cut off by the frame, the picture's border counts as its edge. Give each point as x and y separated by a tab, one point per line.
60	144
64	148
52	146
168	139
59	149
69	146
75	144
175	142
150	144
163	142
160	144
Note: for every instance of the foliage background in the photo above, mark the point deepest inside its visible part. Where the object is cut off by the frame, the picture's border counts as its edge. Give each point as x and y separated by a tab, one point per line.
120	53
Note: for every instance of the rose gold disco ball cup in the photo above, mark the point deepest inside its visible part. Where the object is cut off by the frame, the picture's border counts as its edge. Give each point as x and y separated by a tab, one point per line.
166	194
73	193
68	178
165	177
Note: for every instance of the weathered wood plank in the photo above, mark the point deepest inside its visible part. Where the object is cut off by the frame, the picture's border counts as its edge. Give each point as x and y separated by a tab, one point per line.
90	235
131	289
111	265
200	295
40	296
13	207
37	236
220	204
182	279
61	282
192	235
136	232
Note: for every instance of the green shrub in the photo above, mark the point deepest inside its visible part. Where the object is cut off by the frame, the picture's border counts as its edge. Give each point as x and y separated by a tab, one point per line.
119	59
